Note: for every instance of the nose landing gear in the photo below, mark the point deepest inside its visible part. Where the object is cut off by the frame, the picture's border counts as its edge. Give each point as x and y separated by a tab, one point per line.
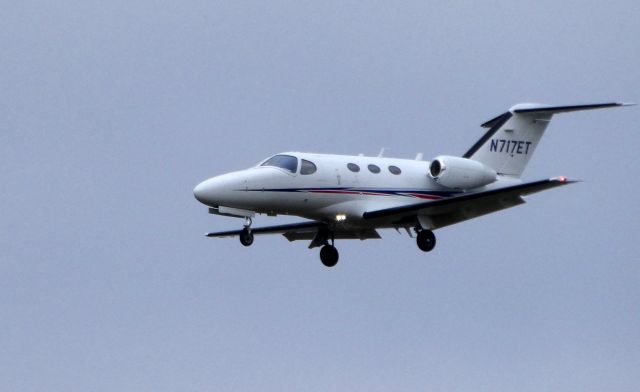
246	236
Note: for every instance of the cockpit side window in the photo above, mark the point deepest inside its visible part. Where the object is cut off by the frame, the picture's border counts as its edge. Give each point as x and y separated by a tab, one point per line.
286	162
307	167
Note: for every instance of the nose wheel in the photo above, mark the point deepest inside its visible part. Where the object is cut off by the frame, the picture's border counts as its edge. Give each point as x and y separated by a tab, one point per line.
246	237
426	240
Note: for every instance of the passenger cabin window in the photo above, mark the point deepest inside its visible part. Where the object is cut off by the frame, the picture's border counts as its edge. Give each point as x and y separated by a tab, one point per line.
353	167
307	167
286	162
374	169
395	170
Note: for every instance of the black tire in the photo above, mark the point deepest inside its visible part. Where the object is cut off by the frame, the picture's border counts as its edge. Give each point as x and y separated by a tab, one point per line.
426	240
246	237
329	255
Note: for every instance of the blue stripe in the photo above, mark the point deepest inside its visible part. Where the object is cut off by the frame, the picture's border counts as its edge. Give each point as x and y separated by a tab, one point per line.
385	191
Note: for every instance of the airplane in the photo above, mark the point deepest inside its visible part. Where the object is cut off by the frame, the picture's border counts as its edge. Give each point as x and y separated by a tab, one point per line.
352	197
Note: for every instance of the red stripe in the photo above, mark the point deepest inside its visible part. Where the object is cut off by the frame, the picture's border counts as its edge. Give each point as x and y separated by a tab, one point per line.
429	197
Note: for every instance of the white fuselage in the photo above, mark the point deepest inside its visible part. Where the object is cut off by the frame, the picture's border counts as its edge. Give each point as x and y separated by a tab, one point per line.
333	191
351	197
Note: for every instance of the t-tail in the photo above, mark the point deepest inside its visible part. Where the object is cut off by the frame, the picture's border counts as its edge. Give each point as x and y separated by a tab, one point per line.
513	136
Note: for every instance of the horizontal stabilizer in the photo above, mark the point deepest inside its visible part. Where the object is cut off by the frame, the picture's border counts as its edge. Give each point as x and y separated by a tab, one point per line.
535	108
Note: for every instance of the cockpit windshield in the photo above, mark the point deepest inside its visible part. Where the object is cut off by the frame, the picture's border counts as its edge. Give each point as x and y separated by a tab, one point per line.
286	162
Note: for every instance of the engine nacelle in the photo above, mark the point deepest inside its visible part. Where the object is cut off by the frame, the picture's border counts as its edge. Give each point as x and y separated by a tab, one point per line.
460	173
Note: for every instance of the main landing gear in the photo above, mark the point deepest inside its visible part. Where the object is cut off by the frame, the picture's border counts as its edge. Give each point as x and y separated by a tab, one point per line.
246	236
425	240
328	254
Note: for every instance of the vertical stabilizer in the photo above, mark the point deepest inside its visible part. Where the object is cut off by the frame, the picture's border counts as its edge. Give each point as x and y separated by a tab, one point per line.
514	135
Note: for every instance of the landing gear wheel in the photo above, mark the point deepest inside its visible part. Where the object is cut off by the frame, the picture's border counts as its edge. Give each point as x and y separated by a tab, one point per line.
329	255
426	240
246	237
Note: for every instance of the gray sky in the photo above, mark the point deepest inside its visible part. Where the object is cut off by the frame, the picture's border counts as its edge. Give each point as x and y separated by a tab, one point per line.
111	112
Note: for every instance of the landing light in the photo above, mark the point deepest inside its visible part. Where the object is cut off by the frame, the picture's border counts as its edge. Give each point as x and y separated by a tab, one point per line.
340	217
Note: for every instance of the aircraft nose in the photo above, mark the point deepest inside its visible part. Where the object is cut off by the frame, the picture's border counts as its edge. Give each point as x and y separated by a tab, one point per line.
204	192
217	190
225	189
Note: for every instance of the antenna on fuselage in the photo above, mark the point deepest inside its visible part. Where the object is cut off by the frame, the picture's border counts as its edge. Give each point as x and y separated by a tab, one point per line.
419	156
381	154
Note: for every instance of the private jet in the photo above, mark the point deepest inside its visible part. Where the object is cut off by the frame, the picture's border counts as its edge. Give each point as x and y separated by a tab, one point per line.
353	197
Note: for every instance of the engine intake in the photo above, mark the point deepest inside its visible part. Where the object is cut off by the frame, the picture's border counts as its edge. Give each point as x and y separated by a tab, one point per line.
460	173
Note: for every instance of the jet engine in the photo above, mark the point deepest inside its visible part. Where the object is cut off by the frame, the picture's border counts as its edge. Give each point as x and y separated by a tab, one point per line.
460	173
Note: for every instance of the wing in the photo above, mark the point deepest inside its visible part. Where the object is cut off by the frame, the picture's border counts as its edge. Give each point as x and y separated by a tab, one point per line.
456	209
314	230
288	229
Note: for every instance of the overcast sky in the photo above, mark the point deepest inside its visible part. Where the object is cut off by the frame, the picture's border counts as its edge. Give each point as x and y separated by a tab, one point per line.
112	111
